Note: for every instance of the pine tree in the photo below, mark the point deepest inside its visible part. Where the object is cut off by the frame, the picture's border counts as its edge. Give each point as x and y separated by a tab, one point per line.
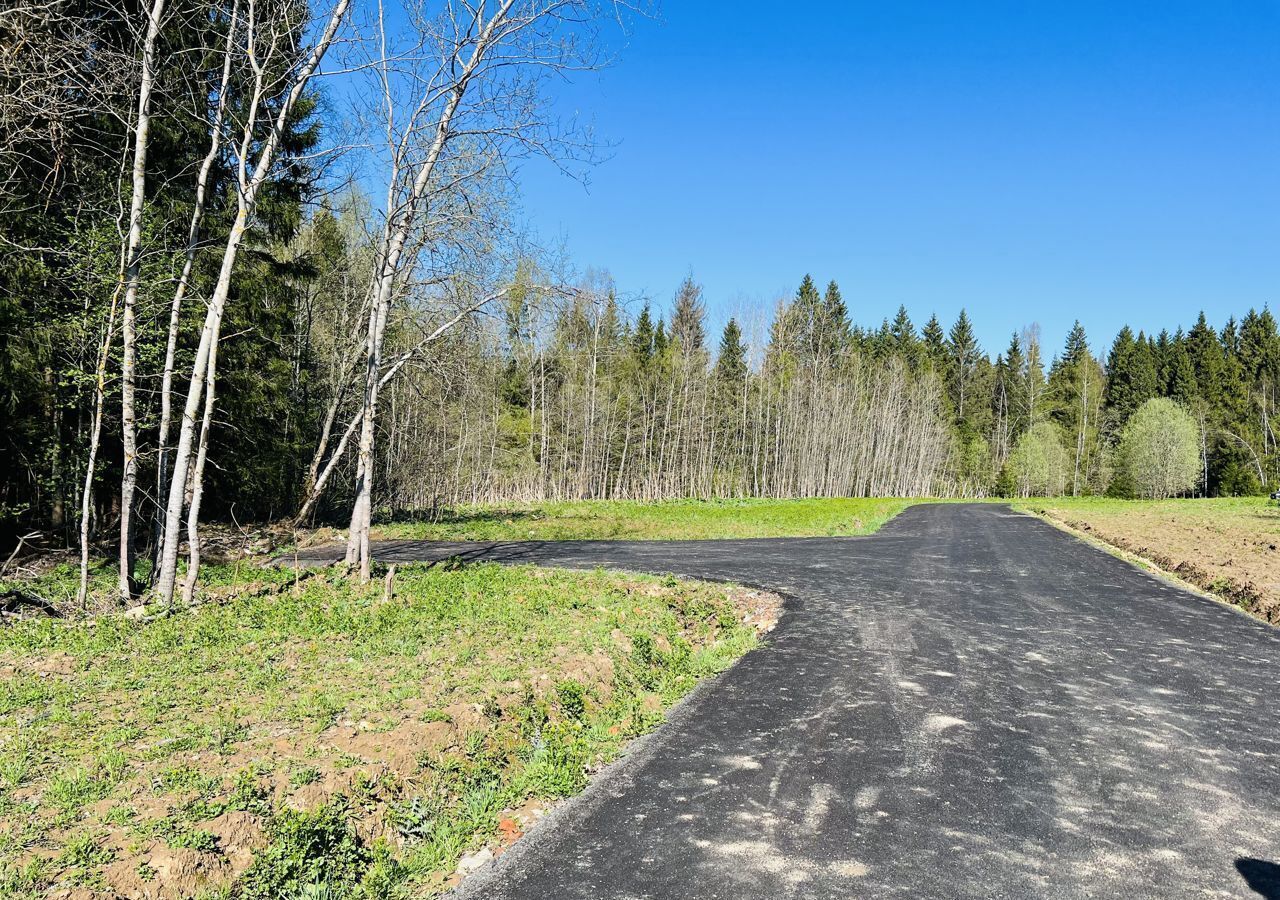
1010	386
835	333
1120	396
1178	378
903	334
1033	377
660	339
1205	350
1075	388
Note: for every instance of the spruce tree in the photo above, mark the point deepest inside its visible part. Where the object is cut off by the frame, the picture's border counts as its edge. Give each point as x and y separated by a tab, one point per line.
731	364
642	336
1011	383
687	328
1205	350
835	330
934	341
905	342
962	364
1120	397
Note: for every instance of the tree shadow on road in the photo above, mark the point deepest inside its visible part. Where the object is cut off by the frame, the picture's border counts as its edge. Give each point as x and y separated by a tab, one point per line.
1262	876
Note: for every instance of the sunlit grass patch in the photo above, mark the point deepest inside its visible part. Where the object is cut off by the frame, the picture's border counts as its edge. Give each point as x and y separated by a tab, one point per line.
412	724
661	520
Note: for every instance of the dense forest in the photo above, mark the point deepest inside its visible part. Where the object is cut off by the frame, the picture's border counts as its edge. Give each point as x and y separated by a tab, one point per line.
201	316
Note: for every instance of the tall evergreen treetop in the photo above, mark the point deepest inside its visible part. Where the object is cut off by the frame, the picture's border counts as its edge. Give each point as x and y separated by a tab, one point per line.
687	327
934	340
731	364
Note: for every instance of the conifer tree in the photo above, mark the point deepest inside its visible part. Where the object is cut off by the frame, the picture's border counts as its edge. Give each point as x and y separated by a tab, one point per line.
687	327
836	334
903	334
962	364
642	336
934	342
731	364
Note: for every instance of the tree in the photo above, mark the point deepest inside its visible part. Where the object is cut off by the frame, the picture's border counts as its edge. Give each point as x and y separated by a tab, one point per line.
1075	385
934	342
276	100
963	357
1039	466
731	363
687	328
834	333
1160	450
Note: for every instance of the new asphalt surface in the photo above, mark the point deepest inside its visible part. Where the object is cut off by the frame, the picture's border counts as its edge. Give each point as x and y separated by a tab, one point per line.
969	703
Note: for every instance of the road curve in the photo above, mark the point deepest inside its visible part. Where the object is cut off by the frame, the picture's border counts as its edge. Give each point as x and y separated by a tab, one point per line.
969	703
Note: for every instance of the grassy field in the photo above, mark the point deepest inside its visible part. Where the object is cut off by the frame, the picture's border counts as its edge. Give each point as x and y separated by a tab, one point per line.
309	739
673	519
1227	546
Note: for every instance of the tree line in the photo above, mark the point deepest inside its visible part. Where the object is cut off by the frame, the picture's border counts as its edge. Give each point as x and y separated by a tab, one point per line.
587	401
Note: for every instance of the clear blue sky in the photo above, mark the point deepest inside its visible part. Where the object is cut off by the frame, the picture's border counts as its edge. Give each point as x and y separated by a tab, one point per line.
1030	161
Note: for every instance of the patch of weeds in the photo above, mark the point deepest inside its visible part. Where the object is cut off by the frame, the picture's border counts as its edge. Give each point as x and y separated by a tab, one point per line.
145	872
304	775
81	857
184	837
121	815
84	851
182	778
311	854
71	791
28	880
15	766
226	732
436	715
320	708
573	698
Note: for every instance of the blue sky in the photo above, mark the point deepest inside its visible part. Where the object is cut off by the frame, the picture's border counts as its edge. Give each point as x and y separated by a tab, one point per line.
1030	161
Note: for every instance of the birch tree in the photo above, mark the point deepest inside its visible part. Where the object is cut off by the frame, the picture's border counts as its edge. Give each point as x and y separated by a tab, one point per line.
274	97
132	277
474	99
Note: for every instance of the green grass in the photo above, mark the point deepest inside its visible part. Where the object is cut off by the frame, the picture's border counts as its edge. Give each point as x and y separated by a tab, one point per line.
665	520
116	738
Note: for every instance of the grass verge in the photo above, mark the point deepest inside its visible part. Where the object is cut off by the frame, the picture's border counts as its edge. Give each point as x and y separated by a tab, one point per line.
1229	547
318	741
664	520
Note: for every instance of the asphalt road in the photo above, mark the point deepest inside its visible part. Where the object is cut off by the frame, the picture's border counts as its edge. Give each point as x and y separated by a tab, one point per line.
969	703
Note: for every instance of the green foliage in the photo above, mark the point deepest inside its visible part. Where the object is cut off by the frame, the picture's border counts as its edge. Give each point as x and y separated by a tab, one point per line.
1039	466
1160	450
309	852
